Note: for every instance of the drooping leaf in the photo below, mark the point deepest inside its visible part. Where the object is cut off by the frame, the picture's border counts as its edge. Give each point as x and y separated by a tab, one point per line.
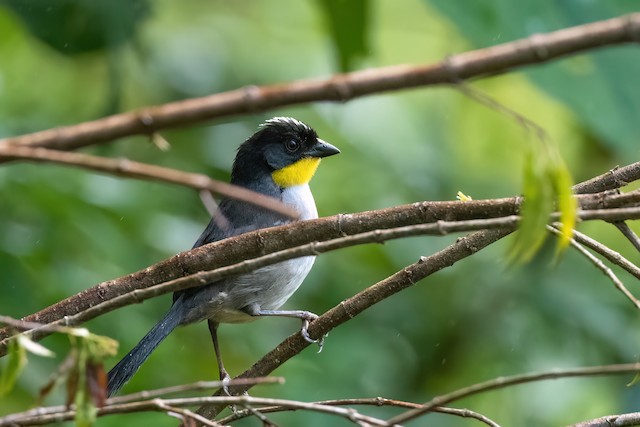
634	381
535	210
87	382
546	185
17	359
97	383
85	409
566	204
73	379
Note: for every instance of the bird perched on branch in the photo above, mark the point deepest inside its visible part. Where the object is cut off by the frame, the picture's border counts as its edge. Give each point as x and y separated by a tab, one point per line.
278	160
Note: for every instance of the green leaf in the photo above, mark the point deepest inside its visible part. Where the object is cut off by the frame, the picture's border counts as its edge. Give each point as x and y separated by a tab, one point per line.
547	185
87	381
535	210
566	203
85	409
17	359
635	380
348	23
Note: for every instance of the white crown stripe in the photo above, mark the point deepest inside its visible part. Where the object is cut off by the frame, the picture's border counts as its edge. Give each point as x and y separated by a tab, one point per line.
285	120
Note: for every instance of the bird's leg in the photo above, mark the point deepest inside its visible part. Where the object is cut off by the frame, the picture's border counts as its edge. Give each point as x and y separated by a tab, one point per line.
224	375
305	316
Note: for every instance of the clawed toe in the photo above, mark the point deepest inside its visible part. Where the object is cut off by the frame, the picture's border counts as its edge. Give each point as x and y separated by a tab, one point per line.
305	333
226	379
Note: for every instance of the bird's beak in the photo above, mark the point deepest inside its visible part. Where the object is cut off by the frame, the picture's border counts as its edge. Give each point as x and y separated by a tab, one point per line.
322	149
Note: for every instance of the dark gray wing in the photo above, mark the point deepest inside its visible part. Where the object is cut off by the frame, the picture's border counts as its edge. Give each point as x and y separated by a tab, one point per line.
239	217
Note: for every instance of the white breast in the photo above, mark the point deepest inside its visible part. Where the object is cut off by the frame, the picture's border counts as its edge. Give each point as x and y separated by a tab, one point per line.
301	199
287	276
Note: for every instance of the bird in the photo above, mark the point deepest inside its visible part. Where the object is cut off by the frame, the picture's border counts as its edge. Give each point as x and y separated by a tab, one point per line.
278	160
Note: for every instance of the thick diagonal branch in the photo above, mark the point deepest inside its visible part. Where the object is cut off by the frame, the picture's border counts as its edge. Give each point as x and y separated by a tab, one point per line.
253	250
258	243
346	310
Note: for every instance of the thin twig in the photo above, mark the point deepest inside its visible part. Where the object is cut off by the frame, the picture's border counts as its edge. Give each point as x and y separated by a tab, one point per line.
608	199
197	386
628	233
49	415
259	415
209	202
493	104
601	266
187	414
503	382
608	253
537	49
375	401
30	326
131	169
212	207
609	215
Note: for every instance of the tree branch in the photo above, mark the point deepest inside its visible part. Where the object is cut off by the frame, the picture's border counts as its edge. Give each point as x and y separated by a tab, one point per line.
600	266
537	49
310	249
244	253
617	177
347	309
502	382
213	261
380	224
197	386
131	169
374	401
613	256
628	233
622	420
53	414
252	245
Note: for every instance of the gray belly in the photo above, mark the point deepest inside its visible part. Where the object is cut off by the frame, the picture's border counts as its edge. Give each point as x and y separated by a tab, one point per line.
268	287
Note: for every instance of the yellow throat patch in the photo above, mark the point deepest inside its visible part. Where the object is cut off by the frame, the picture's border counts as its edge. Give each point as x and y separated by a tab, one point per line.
297	173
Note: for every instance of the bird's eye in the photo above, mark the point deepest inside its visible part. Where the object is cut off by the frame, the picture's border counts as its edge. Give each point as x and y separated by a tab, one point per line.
292	145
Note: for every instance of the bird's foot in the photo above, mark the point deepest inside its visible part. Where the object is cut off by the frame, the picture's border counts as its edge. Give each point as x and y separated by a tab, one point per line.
305	331
226	379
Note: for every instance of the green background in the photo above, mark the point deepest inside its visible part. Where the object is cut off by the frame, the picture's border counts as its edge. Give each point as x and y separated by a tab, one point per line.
63	230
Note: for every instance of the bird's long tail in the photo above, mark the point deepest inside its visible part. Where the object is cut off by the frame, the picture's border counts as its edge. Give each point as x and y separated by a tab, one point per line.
124	370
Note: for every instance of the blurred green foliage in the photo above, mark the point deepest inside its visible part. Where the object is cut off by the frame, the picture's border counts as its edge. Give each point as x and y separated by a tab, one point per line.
73	27
348	22
63	230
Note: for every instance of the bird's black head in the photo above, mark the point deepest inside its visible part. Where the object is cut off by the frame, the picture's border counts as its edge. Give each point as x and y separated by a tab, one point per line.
284	151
